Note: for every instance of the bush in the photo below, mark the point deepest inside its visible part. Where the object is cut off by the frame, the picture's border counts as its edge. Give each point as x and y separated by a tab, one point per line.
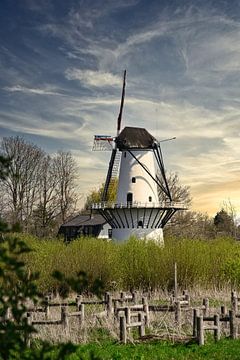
137	263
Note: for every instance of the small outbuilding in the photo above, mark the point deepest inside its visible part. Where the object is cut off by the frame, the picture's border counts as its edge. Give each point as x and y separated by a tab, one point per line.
85	225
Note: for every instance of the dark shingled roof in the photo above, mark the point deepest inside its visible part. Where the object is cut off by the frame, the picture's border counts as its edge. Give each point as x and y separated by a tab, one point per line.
135	138
85	220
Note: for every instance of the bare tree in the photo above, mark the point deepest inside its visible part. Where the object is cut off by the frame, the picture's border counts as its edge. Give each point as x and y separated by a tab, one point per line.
47	208
21	182
65	169
190	224
180	193
38	191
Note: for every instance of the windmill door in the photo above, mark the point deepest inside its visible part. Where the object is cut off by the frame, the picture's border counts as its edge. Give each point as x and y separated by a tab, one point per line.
129	198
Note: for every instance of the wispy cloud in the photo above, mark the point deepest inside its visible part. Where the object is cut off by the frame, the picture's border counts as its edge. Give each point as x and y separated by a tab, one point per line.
183	66
26	90
93	78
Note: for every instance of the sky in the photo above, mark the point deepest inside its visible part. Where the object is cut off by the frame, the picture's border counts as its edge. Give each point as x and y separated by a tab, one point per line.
61	68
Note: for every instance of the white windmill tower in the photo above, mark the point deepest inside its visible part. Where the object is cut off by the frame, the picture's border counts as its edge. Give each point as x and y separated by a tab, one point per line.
137	210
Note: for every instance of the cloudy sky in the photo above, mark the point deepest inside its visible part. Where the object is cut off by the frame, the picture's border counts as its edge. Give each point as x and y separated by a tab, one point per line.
61	66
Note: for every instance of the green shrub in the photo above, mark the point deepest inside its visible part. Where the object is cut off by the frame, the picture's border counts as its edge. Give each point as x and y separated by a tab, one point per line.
136	263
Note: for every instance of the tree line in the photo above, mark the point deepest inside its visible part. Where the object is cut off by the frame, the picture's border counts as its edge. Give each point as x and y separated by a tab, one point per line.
38	191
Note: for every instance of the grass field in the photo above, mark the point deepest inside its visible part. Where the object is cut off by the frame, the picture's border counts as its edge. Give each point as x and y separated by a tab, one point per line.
141	265
223	350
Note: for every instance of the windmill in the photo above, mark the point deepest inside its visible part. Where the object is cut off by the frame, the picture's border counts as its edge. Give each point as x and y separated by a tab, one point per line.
135	156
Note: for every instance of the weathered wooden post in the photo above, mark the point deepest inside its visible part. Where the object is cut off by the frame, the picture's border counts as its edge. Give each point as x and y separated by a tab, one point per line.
217	331
205	306
200	330
106	297
224	314
123	329
234	301
78	301
134	297
146	310
175	281
29	323
178	312
64	317
141	328
233	325
115	309
127	312
187	298
82	316
195	315
47	308
122	298
109	304
223	310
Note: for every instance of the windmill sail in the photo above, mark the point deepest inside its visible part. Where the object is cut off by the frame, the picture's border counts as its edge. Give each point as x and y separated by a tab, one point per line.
114	151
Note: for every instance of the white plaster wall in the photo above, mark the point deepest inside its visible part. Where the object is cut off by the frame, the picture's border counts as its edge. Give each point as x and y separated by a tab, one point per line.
145	186
140	233
104	232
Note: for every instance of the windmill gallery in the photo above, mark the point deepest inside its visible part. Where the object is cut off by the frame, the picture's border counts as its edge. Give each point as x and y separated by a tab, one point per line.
137	161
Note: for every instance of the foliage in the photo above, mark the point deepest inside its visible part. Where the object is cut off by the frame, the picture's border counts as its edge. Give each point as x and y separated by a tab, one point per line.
224	222
78	283
17	285
95	195
135	263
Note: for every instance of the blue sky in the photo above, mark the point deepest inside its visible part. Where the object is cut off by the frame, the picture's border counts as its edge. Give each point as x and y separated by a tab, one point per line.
61	66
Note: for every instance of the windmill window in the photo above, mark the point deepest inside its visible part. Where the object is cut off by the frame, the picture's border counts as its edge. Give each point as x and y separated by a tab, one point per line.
140	223
133	179
125	154
150	199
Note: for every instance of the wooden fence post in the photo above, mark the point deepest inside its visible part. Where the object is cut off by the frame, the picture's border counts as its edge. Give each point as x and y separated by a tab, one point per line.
233	325
78	301
223	310
134	297
142	326
64	317
200	330
217	331
123	329
29	323
115	307
109	305
206	306
175	281
224	314
82	316
195	315
178	312
47	309
187	298
234	301
122	298
146	310
127	312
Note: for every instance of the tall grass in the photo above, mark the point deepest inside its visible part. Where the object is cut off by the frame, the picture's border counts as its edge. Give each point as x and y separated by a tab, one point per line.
137	263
